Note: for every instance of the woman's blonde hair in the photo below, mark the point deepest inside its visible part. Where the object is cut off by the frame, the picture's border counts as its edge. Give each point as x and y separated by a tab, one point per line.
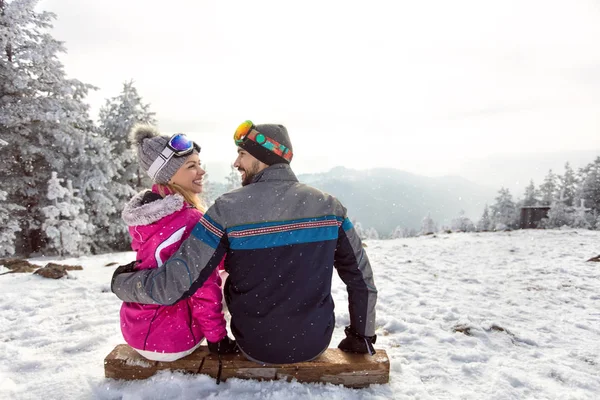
190	197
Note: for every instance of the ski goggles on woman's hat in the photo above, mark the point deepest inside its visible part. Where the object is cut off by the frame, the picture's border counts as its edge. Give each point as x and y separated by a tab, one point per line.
178	145
247	131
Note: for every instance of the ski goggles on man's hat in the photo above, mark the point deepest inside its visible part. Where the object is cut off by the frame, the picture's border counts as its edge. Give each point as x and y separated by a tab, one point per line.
247	131
179	145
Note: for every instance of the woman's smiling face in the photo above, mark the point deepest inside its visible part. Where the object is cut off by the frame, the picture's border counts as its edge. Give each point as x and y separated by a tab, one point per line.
189	175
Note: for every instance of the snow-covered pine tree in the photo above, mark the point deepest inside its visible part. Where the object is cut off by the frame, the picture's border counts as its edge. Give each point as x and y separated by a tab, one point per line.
397	233
207	190
233	179
9	226
462	223
567	186
590	186
548	189
582	218
371	234
42	109
97	190
428	226
65	225
559	215
358	228
485	223
504	212
401	232
211	189
531	195
117	118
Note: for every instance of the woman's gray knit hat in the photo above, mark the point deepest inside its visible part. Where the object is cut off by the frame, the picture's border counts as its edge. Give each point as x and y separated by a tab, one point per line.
149	143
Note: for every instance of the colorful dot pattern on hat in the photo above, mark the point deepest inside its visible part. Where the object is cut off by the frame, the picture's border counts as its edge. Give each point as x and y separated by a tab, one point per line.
271	145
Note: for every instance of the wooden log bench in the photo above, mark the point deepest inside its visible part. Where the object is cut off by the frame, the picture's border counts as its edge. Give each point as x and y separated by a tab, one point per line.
333	366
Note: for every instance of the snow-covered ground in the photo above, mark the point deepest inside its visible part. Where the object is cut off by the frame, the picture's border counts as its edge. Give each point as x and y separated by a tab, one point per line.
511	315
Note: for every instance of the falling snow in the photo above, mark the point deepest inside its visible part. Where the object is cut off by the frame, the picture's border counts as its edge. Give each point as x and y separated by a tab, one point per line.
509	315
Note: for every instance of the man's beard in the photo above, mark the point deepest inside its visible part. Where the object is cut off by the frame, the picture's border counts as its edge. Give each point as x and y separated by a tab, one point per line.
250	173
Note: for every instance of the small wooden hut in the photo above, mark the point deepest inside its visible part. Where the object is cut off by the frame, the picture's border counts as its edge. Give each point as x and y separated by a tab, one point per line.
532	215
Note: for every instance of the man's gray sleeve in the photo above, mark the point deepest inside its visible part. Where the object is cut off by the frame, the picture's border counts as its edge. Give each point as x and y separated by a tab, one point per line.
182	274
353	266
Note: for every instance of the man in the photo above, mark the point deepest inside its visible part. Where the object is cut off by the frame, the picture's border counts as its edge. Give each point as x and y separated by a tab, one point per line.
281	240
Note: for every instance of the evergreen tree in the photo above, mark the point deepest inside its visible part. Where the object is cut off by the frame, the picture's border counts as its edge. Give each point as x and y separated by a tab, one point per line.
400	232
42	111
428	226
531	195
65	224
360	231
117	118
211	189
582	218
96	188
233	179
371	233
559	215
504	212
9	226
567	186
462	223
590	185
121	168
596	220
485	223
548	189
397	233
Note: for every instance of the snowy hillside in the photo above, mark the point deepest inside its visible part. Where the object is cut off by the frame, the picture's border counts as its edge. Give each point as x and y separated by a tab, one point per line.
511	315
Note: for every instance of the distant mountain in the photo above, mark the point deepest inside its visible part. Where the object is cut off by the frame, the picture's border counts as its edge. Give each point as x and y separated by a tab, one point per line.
514	171
386	198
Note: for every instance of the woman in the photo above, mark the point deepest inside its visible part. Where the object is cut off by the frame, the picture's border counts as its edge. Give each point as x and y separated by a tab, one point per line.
159	220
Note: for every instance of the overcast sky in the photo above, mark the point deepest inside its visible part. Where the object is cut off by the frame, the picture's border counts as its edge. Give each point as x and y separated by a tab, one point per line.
422	86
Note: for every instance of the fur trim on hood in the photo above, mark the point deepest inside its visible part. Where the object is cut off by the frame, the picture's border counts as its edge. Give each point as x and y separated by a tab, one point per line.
135	213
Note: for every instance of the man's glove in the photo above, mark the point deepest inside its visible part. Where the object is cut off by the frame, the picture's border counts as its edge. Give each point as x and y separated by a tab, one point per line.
121	270
357	343
223	346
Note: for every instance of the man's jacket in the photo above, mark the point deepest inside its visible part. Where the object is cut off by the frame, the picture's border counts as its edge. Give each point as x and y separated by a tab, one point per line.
282	239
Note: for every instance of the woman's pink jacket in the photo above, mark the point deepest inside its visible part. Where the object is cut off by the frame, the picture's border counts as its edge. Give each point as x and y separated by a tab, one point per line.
158	226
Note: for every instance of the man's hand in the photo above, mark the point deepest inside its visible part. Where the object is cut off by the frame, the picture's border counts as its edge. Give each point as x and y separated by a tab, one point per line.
121	270
357	343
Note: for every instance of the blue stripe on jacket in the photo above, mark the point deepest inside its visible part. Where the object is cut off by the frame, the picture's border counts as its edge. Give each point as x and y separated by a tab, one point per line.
202	233
347	225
